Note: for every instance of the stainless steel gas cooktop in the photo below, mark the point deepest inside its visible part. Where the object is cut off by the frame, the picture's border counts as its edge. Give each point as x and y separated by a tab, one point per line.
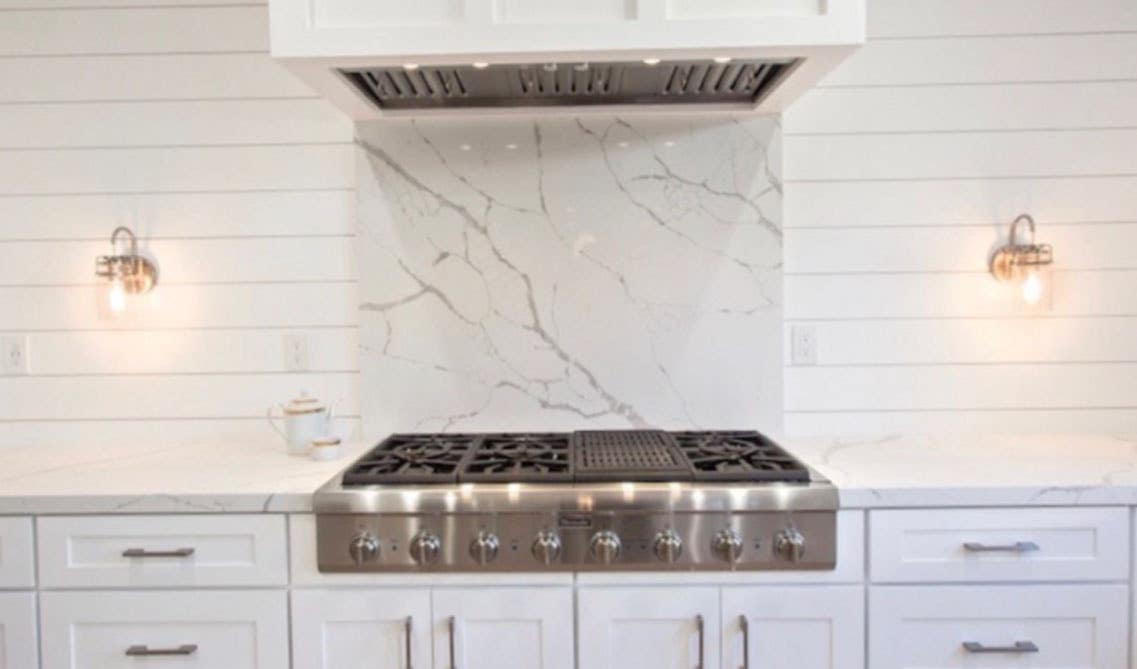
600	499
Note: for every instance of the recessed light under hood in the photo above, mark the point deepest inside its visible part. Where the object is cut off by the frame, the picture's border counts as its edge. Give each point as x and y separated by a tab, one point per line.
743	81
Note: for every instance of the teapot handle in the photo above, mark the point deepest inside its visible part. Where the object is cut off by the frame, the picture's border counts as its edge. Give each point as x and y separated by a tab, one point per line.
272	420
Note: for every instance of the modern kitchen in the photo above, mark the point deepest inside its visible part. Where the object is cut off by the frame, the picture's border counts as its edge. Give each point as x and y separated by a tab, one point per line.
606	334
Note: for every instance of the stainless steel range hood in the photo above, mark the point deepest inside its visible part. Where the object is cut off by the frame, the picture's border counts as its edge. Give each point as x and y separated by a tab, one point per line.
402	57
555	84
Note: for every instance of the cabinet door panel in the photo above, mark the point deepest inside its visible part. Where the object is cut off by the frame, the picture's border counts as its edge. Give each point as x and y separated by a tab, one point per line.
790	627
489	628
337	629
18	630
648	628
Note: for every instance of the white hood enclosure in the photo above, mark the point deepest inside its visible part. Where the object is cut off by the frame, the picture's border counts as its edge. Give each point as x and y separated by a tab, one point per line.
400	57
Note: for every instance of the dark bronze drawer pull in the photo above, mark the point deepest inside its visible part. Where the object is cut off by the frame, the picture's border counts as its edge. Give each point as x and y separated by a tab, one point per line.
145	651
1017	647
143	553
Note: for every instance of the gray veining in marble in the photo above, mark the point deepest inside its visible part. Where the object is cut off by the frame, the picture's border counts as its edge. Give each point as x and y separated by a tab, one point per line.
570	272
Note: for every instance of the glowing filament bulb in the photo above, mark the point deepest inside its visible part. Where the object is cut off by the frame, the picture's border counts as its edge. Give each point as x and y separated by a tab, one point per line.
1032	288
116	297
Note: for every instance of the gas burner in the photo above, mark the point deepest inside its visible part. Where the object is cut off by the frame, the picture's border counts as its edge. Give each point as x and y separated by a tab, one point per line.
412	458
738	456
532	457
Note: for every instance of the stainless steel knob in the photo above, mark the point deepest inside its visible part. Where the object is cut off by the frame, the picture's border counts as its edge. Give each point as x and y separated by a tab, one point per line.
727	545
605	546
425	547
667	545
790	545
484	547
364	547
546	547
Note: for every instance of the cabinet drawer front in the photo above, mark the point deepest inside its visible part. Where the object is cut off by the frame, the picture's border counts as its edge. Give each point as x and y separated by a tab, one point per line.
235	630
18	630
162	551
999	545
1082	626
17	564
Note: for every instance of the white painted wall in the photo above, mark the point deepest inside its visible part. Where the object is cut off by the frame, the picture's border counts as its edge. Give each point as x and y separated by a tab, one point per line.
905	168
169	117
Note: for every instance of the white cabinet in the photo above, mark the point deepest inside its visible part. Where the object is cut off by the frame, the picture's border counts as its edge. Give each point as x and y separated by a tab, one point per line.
1066	626
17	630
793	627
162	551
648	628
936	545
129	630
486	628
17	561
345	629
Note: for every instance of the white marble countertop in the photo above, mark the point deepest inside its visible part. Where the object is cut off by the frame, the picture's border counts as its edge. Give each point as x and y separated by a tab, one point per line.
899	471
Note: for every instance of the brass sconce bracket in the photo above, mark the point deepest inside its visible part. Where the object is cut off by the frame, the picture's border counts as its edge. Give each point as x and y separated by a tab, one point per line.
1009	261
134	272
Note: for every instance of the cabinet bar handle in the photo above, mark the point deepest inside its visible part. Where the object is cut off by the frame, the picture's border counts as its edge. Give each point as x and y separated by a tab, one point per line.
453	622
699	628
1017	547
143	553
407	627
140	651
744	625
1017	647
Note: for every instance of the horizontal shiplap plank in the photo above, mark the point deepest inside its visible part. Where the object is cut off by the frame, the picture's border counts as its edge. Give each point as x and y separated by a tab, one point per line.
49	433
7	5
214	122
187	260
844	296
93	217
171	29
185	306
1095	104
186	351
178	169
914	388
828	423
998	201
923	18
980	341
159	77
964	60
961	155
171	396
947	248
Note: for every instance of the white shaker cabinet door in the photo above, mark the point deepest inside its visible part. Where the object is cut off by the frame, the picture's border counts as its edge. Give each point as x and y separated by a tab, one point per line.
347	629
794	627
648	628
490	628
18	630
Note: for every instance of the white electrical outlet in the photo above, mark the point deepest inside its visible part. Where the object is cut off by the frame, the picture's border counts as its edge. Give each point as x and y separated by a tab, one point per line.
14	356
803	345
296	353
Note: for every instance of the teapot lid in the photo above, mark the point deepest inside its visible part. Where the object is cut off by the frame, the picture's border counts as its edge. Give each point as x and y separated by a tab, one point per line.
304	404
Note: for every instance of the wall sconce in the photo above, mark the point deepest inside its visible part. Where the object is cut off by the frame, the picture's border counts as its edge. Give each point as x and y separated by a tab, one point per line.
1028	264
126	273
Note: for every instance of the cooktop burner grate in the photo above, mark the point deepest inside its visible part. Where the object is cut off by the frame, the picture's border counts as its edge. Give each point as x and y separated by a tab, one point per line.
412	458
526	457
738	456
628	455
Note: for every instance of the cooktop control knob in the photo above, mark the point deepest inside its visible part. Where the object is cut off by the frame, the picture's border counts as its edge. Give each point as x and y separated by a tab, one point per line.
727	545
667	545
364	547
484	547
546	547
789	544
425	547
605	546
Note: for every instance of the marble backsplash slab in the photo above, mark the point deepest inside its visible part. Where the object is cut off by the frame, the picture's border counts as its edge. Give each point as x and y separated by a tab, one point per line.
565	273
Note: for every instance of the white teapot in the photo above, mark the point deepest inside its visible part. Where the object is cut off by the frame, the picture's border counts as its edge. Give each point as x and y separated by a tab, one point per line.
305	418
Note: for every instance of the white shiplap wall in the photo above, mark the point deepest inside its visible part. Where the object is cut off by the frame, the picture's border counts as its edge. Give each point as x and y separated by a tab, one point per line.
903	171
168	116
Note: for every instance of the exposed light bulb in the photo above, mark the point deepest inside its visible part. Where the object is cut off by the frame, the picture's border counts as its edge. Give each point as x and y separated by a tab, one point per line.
480	65
651	61
116	297
721	60
1032	288
410	66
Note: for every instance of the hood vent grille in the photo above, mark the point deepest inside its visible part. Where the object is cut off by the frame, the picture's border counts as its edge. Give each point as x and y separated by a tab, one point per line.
743	82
